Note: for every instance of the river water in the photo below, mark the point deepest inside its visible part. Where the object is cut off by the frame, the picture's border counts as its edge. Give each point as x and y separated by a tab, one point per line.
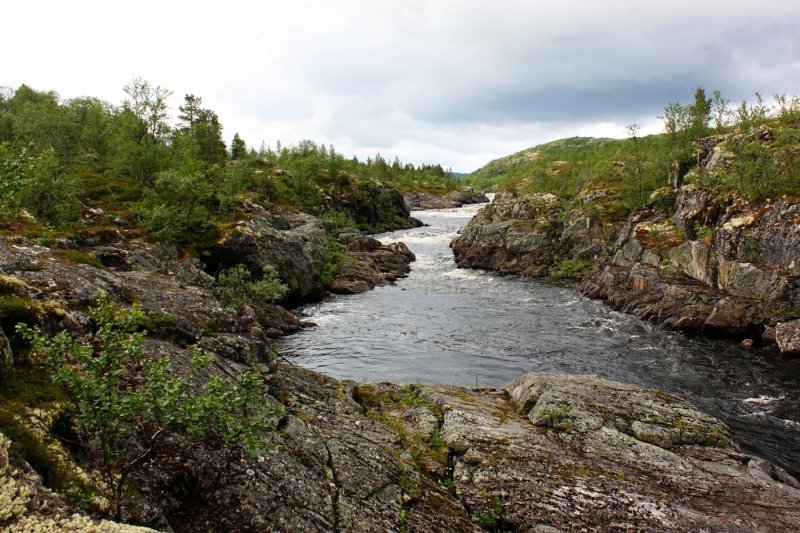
447	325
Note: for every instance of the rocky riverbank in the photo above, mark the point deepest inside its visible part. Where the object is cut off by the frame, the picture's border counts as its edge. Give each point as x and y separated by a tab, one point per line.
692	259
548	452
538	234
711	263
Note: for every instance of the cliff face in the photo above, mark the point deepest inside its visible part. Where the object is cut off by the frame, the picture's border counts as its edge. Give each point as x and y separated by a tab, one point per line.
719	264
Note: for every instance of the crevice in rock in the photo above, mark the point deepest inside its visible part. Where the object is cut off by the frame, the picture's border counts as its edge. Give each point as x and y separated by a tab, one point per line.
337	488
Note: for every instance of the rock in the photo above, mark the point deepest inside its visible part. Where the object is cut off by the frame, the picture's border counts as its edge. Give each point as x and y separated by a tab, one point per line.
694	259
373	204
643	291
468	196
696	207
274	319
747	252
376	265
787	335
536	234
550	453
753	280
137	255
292	243
510	237
419	201
596	453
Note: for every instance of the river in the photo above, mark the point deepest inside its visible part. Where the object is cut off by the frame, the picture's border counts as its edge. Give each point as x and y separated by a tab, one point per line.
447	325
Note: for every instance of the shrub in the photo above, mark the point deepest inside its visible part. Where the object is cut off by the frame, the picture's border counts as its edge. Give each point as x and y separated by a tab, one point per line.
339	219
235	286
125	402
334	255
38	184
571	268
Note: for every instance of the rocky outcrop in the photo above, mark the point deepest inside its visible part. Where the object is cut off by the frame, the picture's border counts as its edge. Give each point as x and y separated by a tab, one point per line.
557	452
369	263
372	204
699	261
292	243
532	235
420	201
297	246
549	451
510	237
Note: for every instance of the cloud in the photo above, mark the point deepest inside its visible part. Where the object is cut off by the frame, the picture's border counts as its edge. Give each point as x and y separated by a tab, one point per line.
455	82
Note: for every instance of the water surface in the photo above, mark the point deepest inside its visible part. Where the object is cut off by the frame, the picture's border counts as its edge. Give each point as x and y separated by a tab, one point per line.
447	325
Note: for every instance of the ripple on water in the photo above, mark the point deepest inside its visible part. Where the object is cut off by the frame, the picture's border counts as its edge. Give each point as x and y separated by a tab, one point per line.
445	325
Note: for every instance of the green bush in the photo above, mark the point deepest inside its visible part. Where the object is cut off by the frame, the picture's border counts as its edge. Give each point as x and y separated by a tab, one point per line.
37	183
339	219
334	255
235	287
571	268
125	402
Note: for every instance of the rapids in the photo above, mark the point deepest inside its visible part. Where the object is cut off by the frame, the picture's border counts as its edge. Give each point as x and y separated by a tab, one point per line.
447	325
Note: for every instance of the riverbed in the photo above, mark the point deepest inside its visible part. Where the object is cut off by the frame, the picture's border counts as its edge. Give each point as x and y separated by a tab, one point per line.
442	324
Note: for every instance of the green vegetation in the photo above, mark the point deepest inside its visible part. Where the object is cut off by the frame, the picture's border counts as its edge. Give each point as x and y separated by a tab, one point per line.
389	406
571	268
333	258
492	519
557	415
235	287
174	183
125	403
761	159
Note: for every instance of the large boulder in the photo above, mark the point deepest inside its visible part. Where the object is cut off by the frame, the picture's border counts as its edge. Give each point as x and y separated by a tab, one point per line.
511	236
292	243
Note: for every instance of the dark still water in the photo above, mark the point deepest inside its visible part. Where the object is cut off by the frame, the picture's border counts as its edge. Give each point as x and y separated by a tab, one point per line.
448	325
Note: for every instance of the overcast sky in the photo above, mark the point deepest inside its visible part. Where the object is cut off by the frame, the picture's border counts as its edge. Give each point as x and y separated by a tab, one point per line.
451	82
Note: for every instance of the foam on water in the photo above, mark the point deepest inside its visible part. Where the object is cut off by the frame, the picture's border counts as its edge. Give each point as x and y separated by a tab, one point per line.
447	325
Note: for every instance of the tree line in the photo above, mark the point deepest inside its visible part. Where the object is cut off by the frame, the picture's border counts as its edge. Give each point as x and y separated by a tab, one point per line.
173	180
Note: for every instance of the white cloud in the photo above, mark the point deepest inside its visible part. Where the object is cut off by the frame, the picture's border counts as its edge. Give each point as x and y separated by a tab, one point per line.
455	82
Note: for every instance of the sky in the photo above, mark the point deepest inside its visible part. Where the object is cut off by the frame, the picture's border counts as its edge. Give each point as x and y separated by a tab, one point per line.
457	83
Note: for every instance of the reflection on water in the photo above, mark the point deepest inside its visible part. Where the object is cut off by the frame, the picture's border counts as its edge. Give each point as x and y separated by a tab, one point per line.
448	325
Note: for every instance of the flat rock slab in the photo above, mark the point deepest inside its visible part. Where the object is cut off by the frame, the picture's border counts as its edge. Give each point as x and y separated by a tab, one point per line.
583	453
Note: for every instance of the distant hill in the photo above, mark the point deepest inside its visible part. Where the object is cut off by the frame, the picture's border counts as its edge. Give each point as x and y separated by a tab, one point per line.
565	166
